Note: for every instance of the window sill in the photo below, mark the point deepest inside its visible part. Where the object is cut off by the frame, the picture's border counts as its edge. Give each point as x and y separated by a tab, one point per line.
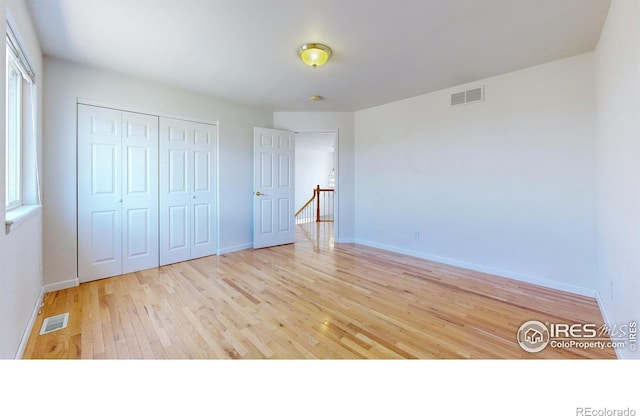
19	215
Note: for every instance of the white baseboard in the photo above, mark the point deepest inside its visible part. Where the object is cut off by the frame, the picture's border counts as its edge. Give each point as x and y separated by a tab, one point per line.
344	240
234	248
603	310
607	320
61	285
246	246
622	354
29	328
552	284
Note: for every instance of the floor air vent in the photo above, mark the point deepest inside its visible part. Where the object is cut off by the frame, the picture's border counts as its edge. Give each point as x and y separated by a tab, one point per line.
53	323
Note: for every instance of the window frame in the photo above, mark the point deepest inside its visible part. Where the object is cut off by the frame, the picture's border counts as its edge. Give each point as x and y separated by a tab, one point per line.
15	174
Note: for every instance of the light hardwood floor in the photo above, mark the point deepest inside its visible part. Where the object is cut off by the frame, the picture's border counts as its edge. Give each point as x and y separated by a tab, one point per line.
312	299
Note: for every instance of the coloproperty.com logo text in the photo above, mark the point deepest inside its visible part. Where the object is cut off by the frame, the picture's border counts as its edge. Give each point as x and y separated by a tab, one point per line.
535	336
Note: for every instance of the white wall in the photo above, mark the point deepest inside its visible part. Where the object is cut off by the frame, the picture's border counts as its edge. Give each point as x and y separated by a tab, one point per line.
617	60
65	83
341	122
313	166
505	186
21	249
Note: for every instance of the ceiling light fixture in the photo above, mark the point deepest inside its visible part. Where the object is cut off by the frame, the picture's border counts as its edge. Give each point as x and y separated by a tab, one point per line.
316	98
314	54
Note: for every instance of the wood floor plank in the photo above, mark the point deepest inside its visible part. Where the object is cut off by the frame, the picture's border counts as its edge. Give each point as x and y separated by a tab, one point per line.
311	300
86	325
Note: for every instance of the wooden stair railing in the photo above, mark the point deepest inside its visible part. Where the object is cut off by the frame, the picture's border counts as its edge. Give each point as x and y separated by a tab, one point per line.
306	204
323	207
324	201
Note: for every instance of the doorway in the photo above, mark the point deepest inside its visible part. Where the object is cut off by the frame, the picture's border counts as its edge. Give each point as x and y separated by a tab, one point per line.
316	178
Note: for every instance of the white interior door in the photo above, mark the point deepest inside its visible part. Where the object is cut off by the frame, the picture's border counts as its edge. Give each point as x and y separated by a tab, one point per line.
203	209
175	195
188	160
139	191
274	187
99	193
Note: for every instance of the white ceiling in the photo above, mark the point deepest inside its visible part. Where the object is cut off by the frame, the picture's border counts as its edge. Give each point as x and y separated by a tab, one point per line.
244	51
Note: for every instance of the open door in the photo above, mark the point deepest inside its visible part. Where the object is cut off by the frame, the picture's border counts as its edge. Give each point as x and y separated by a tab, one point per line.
274	187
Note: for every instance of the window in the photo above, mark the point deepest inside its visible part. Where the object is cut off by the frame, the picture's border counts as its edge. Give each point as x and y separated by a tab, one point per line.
13	176
20	133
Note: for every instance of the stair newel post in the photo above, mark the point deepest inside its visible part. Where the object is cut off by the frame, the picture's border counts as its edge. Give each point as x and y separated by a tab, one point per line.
317	192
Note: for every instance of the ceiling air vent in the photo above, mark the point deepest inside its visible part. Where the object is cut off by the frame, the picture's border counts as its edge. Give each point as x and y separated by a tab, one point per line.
469	96
53	323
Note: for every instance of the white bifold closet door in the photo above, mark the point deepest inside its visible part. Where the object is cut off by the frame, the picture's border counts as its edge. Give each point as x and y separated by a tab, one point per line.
117	192
188	168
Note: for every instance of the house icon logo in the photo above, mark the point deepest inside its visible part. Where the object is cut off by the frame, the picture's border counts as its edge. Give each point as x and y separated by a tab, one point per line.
533	336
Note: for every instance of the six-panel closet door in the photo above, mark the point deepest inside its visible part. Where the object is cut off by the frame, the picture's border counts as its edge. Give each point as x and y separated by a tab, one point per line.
187	190
117	192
